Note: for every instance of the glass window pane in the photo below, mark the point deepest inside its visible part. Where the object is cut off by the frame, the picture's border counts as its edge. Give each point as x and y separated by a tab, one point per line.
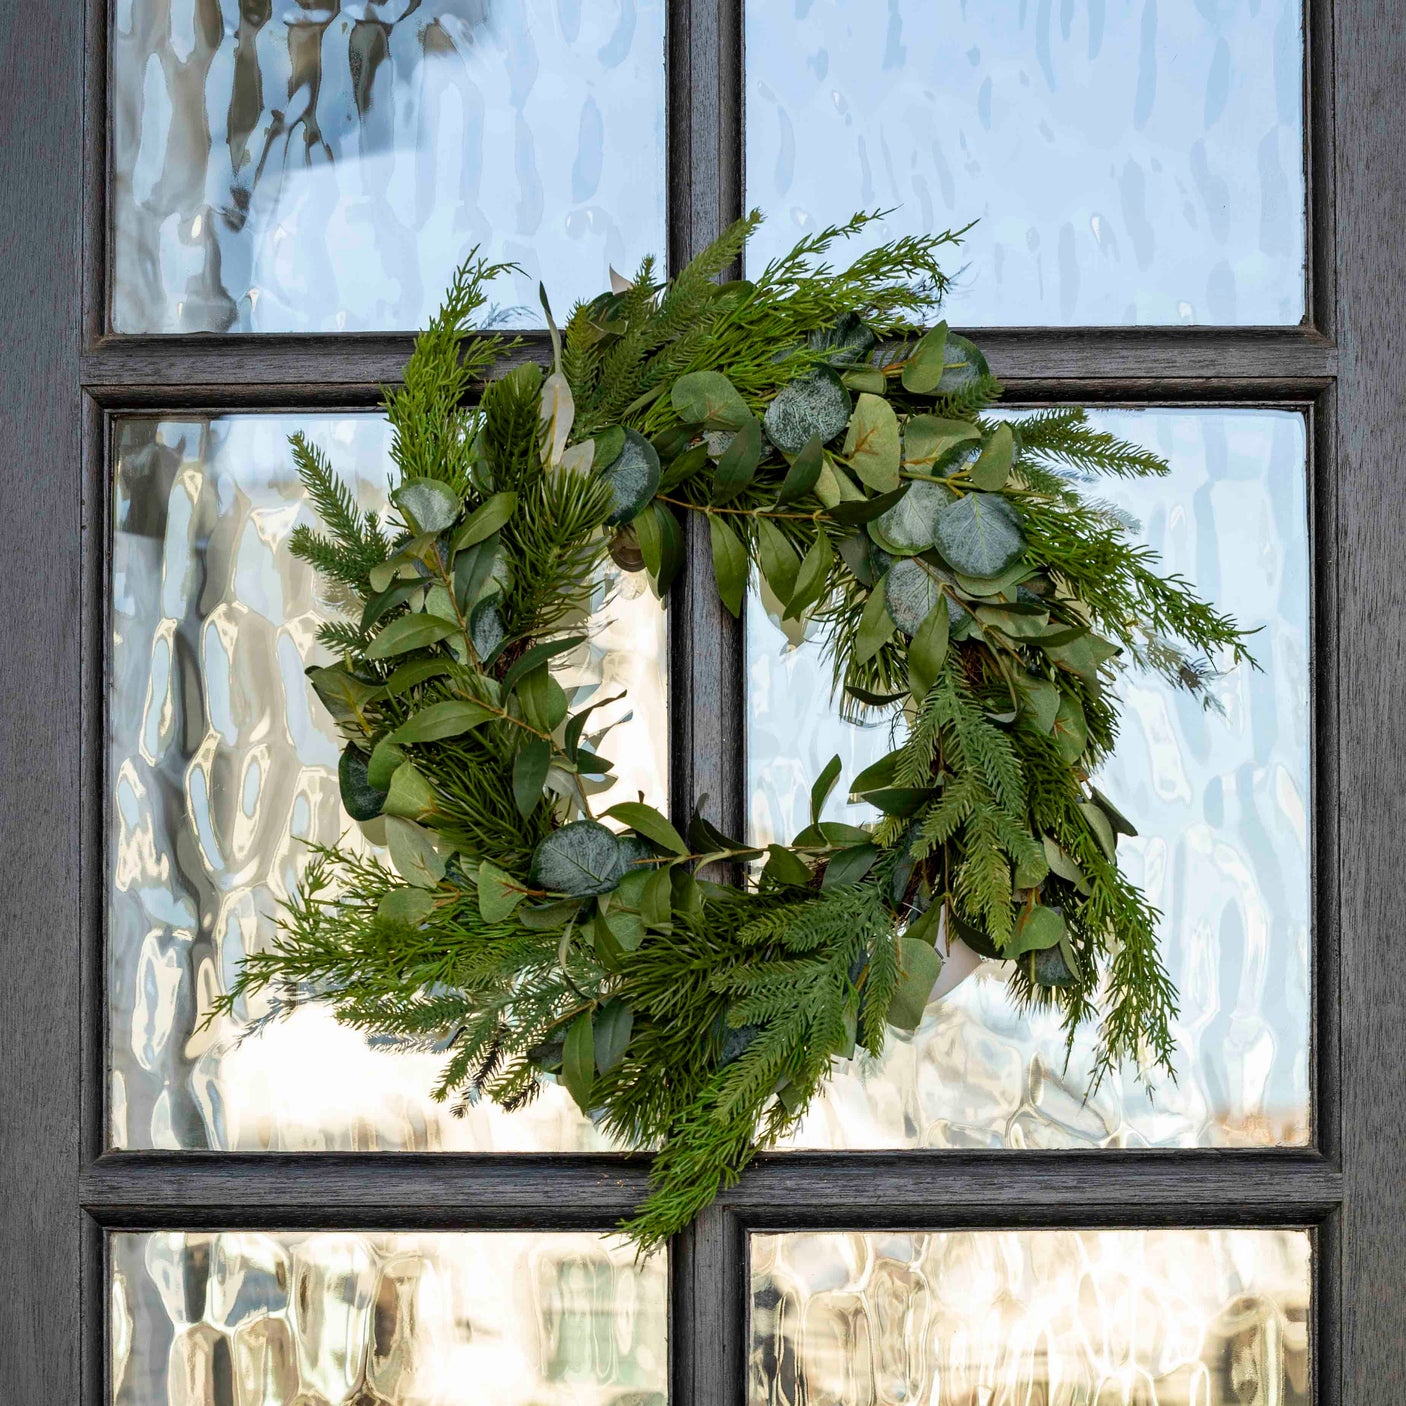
221	763
393	1319
1222	805
1128	163
309	166
1171	1317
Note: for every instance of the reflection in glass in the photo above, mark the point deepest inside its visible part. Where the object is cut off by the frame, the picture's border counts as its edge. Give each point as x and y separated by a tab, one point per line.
221	763
1157	1317
1128	163
1222	806
392	1319
322	166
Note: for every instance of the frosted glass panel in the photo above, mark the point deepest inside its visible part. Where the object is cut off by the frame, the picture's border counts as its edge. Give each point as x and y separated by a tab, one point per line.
1129	161
1156	1317
384	1320
221	762
1222	805
323	165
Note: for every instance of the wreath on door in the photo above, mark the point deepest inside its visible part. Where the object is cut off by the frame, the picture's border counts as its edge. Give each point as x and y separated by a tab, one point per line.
960	580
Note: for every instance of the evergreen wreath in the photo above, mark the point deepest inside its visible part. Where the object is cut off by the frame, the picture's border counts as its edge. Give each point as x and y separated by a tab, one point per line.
960	581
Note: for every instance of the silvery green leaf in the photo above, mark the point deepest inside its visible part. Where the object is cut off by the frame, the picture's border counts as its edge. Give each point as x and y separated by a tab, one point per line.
813	404
580	859
911	592
709	399
980	534
633	478
486	628
910	526
427	504
965	364
847	340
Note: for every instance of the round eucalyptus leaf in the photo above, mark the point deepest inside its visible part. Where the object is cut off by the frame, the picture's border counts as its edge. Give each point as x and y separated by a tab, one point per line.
970	365
979	535
1051	969
633	478
486	629
360	799
911	590
429	504
634	849
814	404
580	859
847	340
910	526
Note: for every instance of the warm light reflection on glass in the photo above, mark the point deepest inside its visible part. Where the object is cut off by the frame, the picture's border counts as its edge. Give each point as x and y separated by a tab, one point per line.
392	1319
1013	1318
222	763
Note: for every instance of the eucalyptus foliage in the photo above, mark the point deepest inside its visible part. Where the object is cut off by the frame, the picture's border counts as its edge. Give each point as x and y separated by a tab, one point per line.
961	581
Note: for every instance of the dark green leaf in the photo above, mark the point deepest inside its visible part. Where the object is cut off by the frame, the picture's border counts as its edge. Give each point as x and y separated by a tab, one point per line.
1071	731
1120	822
580	859
919	967
900	800
609	443
824	784
729	564
804	470
487	633
874	700
615	1021
485	520
708	398
411	675
656	901
812	578
1064	866
1040	698
1082	655
473	571
1097	821
650	824
538	654
849	866
409	632
786	868
912	591
779	562
530	774
815	403
847	340
441	720
877	776
980	534
543	699
549	917
928	651
739	461
633	478
661	544
498	895
427	504
395	594
342	695
1052	966
853	514
875	625
578	1061
360	799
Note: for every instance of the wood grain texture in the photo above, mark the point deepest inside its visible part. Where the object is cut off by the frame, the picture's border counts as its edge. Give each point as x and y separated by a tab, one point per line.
40	488
1370	68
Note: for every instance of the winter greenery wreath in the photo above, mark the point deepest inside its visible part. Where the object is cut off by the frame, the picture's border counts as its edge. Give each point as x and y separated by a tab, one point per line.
960	581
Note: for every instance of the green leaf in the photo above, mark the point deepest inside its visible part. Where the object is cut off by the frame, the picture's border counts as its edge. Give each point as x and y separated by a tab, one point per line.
980	534
739	461
779	562
1055	966
530	768
993	468
1063	865
729	563
627	929
919	967
498	895
965	364
408	905
656	900
538	654
395	594
543	699
871	446
578	1061
1071	732
633	478
661	544
900	800
812	578
877	776
487	632
709	399
929	440
1041	927
927	652
413	852
815	403
804	470
411	675
1031	872
485	520
1103	832
580	859
1120	822
342	695
847	340
869	379
476	570
1082	655
409	632
875	626
910	526
386	756
853	514
410	794
577	725
874	700
427	504
360	798
912	591
609	443
441	720
787	868
994	585
824	784
409	563
650	824
923	371
1021	623
615	1021
1040	698
849	866
549	917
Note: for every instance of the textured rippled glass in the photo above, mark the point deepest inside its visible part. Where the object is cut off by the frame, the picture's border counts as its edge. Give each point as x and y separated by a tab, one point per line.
323	165
1129	161
1222	806
293	1319
222	762
1032	1318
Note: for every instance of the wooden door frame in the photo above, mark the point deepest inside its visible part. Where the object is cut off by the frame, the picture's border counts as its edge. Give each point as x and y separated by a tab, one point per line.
65	377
